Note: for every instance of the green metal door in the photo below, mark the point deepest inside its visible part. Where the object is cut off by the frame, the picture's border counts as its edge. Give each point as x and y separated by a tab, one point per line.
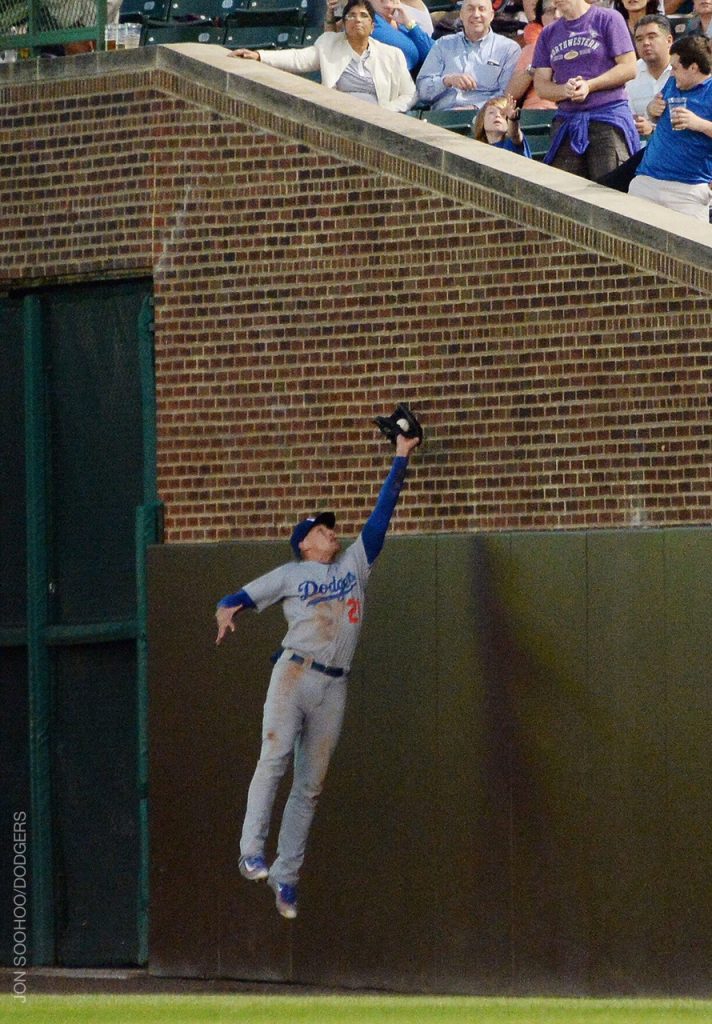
73	609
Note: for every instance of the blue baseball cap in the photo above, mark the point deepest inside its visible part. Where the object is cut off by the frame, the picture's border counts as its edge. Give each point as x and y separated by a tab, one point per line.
302	529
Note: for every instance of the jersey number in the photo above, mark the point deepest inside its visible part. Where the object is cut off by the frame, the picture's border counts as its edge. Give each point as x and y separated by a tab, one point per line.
354	606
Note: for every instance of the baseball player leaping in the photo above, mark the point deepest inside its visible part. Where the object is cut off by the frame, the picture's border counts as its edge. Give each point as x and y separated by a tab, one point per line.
322	596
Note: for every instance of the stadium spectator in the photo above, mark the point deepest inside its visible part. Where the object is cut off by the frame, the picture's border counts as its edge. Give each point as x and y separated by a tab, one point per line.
497	124
633	10
701	21
653	39
350	61
521	85
532	30
418	12
676	169
446	23
470	67
678	7
582	62
393	26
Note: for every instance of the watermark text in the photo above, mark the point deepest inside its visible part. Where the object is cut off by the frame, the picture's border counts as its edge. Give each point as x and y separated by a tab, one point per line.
20	908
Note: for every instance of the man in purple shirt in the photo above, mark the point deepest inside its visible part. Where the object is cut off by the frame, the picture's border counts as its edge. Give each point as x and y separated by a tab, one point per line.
582	62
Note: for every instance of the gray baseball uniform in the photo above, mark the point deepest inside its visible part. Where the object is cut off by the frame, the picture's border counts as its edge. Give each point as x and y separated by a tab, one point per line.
304	709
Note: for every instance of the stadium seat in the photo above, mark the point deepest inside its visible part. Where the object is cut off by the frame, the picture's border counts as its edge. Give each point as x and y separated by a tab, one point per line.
263	37
311	35
455	120
678	24
510	27
269	12
213	11
143	10
440	5
539	145
536	125
186	32
536	120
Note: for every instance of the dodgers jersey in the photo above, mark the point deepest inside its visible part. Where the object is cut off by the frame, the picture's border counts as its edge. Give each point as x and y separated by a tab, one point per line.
322	603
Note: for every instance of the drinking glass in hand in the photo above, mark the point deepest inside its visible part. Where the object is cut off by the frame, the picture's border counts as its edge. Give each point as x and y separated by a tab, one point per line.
676	103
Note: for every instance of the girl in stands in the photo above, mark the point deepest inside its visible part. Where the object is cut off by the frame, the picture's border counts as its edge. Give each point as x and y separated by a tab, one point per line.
497	124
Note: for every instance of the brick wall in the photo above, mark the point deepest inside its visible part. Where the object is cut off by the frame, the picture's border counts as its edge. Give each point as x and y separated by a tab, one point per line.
305	281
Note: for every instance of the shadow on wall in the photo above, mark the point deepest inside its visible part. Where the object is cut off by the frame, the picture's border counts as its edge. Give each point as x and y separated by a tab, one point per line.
510	807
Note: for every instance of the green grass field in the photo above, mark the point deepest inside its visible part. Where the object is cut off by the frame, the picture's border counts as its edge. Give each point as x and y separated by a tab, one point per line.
239	1009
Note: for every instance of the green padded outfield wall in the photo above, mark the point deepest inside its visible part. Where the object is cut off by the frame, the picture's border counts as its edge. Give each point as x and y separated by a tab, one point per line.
521	799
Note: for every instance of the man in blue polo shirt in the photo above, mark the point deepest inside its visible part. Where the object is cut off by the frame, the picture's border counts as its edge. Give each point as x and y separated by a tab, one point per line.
676	169
470	67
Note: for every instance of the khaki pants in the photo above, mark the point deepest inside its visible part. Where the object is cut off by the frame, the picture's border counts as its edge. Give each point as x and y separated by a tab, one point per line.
693	200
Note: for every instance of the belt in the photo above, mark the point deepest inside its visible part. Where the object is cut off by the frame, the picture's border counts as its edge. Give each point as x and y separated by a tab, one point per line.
327	670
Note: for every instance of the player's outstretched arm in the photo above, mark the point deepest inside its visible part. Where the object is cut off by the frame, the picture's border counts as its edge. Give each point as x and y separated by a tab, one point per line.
374	530
405	445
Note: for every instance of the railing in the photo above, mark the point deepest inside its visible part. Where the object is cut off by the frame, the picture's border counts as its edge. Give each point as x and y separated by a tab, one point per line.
27	26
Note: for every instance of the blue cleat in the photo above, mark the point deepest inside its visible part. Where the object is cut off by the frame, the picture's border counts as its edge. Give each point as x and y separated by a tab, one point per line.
285	898
253	868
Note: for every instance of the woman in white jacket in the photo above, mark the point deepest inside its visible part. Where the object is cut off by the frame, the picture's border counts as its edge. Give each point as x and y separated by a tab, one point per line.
350	61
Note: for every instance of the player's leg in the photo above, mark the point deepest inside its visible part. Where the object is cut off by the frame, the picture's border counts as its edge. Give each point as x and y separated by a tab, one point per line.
314	748
281	722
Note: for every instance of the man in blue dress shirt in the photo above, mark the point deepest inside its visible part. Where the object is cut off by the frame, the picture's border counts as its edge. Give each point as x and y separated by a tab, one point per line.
467	69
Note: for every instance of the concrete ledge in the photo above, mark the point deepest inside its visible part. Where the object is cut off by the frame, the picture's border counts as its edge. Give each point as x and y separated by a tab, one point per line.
437	148
625	228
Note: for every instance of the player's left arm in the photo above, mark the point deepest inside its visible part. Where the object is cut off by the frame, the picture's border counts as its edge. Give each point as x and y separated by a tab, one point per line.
225	617
227	611
258	594
376	526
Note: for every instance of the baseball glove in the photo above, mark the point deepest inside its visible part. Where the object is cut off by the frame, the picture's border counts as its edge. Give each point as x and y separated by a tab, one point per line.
403	421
